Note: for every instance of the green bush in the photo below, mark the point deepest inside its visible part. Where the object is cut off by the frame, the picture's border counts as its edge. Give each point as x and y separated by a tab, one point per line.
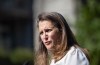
20	55
88	29
3	53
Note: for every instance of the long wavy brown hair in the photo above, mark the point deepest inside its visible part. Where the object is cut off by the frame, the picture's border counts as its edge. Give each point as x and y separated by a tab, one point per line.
68	39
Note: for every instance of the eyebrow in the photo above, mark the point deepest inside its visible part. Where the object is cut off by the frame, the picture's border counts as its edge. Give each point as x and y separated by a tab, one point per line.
48	28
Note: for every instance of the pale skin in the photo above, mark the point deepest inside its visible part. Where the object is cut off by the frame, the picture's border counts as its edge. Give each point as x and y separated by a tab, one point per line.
49	34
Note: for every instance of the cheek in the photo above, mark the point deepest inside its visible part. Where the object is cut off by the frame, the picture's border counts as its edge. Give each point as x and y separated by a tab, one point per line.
55	37
41	37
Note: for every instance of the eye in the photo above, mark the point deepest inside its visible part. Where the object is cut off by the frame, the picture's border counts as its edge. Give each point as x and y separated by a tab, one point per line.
41	32
48	30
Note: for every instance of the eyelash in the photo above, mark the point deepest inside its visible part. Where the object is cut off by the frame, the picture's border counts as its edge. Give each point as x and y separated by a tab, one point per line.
41	33
47	30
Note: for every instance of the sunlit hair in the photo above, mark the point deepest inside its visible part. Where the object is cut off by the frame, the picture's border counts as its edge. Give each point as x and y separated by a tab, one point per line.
67	38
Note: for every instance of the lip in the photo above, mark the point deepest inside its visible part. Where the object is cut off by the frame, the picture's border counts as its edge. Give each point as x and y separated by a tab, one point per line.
47	42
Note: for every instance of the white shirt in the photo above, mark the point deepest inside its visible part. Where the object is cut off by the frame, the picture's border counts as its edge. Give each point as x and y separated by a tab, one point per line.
74	56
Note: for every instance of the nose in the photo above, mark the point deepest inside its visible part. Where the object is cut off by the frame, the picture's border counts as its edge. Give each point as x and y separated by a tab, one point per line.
45	36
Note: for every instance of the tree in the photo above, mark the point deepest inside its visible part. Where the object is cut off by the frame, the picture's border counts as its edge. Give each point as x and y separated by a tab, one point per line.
88	29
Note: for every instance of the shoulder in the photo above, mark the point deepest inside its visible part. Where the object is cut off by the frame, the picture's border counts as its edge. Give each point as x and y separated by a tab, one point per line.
76	52
77	56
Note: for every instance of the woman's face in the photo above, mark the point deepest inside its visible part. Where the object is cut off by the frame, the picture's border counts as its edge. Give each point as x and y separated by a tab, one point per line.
49	34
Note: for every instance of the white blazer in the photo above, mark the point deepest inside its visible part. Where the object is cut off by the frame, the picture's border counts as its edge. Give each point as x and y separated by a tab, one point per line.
74	56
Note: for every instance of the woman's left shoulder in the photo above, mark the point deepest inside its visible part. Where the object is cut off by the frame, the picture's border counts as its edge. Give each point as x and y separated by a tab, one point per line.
78	56
76	51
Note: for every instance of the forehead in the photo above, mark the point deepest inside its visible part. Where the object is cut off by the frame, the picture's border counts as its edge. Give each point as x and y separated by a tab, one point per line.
45	24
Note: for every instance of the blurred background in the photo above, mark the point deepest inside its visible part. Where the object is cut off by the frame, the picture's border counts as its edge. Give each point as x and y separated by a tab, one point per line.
18	32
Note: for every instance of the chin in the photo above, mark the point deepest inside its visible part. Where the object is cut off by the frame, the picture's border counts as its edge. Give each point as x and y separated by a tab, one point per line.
49	48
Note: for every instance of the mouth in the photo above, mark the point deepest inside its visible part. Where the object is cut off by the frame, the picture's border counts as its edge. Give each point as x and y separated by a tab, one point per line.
47	42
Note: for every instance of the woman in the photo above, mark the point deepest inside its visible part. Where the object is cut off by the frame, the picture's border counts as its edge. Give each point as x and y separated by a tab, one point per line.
58	45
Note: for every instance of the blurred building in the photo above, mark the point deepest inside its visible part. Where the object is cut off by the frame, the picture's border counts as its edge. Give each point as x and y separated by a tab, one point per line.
16	24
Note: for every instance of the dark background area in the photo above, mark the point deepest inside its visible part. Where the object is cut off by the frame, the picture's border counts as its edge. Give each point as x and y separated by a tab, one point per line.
16	31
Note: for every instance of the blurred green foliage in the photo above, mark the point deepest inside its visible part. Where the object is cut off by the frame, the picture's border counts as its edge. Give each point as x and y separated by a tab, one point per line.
88	29
21	55
3	53
16	56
